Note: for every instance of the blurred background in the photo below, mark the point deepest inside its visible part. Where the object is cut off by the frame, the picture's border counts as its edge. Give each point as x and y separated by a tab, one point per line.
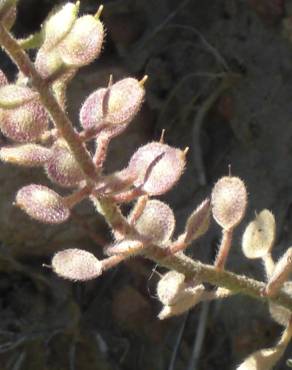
220	82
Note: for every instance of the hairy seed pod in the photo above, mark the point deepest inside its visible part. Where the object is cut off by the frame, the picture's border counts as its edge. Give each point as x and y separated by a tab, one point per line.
229	201
280	314
42	204
158	167
117	105
30	155
199	221
62	167
59	25
48	63
76	264
14	96
170	287
259	236
83	43
126	247
156	222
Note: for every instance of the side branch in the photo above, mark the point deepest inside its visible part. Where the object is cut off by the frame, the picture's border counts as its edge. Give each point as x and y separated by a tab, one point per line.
60	118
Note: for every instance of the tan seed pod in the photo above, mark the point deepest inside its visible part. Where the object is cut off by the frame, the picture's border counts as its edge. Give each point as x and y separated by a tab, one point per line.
30	155
280	314
199	221
259	236
229	201
48	62
156	222
42	204
76	264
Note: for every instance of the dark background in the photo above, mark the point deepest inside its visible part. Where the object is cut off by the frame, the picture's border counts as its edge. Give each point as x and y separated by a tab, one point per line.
228	59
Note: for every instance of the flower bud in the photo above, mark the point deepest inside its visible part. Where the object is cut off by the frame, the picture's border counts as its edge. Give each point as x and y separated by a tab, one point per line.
30	155
229	200
259	236
42	204
117	105
62	167
22	116
83	43
59	24
158	167
156	222
199	221
76	264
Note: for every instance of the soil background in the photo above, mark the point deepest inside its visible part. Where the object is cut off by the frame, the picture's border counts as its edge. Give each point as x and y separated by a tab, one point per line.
220	82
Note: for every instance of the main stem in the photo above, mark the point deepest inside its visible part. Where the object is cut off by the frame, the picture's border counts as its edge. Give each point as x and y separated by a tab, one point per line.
59	117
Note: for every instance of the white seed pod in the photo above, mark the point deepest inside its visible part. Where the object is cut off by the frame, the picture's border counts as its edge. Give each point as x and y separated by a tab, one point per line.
126	247
229	201
259	236
199	221
30	155
184	304
170	286
83	43
280	314
59	25
157	166
42	204
76	264
156	222
62	167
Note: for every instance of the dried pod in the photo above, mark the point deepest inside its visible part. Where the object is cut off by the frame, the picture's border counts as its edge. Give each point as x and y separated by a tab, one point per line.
62	167
156	222
77	265
42	204
59	24
157	166
83	43
126	247
30	155
198	222
229	200
117	105
280	274
280	314
259	236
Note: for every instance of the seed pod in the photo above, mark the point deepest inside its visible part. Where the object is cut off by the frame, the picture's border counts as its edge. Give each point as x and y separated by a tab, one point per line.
116	105
62	167
156	222
77	265
280	314
30	155
259	236
42	204
59	24
126	247
170	287
199	221
83	43
48	63
158	167
14	96
229	200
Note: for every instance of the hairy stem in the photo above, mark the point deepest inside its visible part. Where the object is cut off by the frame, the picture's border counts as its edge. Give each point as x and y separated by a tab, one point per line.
60	118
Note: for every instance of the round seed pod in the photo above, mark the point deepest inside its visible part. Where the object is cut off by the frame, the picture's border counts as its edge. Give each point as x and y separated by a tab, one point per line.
59	24
14	96
62	167
280	314
259	236
229	201
42	204
48	62
83	43
115	106
158	167
77	265
170	286
30	155
156	222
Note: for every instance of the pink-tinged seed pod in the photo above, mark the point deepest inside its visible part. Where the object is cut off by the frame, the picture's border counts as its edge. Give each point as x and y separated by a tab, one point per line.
48	62
76	264
83	43
29	155
115	106
229	201
42	204
170	286
62	167
59	25
199	221
13	96
3	79
158	167
156	222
